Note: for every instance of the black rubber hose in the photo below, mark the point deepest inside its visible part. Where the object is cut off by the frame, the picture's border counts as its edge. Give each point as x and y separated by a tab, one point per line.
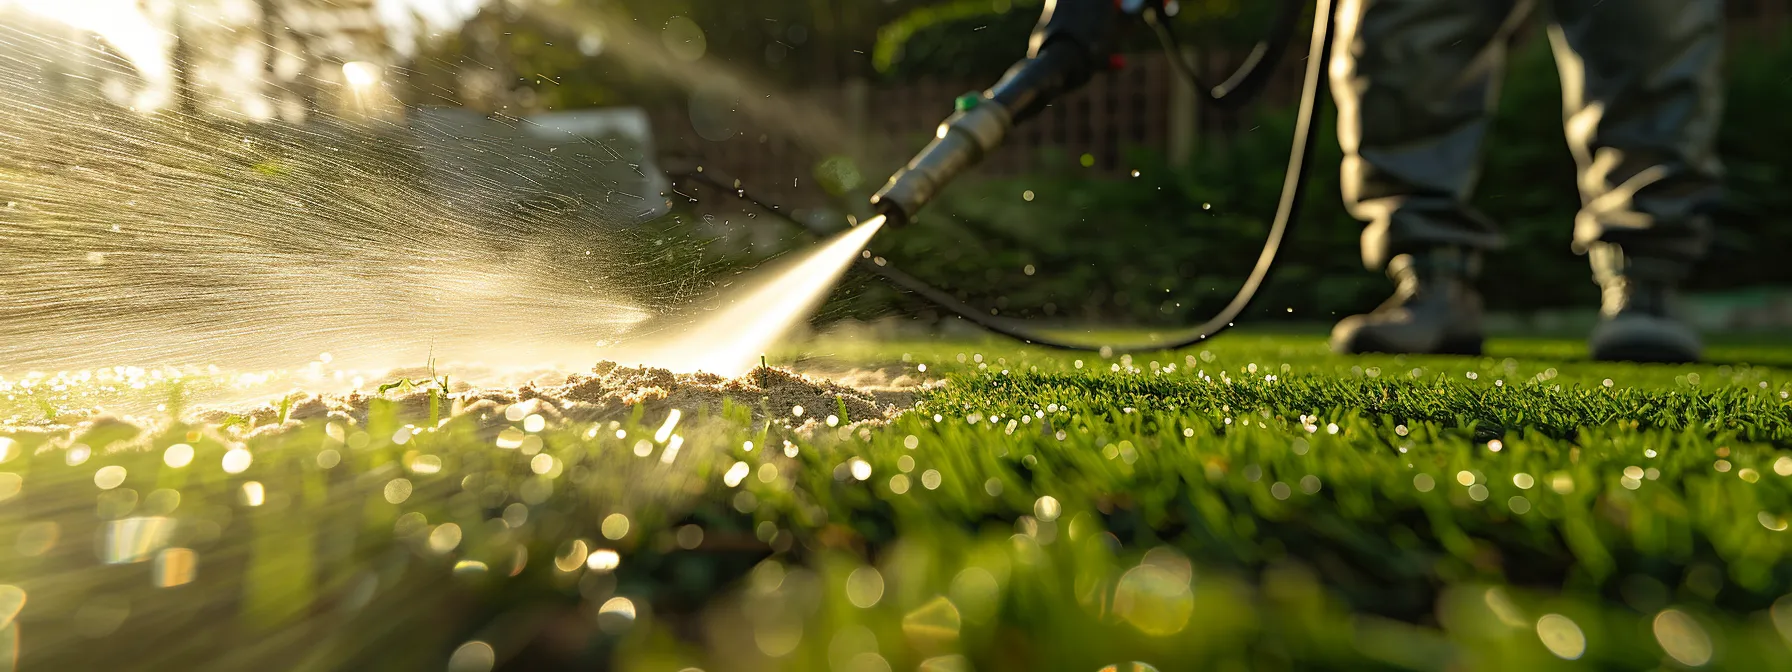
1294	184
1249	80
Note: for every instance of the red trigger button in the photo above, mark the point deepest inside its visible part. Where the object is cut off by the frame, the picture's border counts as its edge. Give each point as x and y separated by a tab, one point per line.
1117	62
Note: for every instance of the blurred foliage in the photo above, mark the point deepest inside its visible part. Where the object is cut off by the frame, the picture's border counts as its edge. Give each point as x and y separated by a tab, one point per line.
1172	244
930	41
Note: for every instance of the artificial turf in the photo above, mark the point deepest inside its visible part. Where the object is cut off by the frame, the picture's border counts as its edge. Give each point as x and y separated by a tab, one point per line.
1256	503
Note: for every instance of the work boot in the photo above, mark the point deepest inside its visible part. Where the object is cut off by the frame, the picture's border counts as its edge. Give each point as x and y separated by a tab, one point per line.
1639	313
1435	308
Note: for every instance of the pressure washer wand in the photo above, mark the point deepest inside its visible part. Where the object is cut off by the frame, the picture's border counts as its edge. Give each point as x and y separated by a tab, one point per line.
1068	47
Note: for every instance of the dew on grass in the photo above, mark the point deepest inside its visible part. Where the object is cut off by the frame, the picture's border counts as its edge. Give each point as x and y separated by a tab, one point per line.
977	593
1465	477
1134	666
252	494
688	537
616	615
516	514
178	455
736	474
1423	483
474	656
1280	490
1309	484
426	464
571	556
664	433
1682	638
109	477
899	484
864	587
444	538
1561	636
930	479
1561	483
510	438
470	567
615	526
1153	599
1519	505
1523	481
745	501
1771	521
398	490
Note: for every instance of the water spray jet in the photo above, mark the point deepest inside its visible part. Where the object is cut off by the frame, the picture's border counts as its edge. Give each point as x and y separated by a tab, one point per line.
739	328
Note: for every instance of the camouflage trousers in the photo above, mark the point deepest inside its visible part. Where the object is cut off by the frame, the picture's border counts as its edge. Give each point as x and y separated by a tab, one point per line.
1642	92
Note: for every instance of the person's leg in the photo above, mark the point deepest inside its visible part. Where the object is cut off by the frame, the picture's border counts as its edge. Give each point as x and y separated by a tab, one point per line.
1415	83
1642	86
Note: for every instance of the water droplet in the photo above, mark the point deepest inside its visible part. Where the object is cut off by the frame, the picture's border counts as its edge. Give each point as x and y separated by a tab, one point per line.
253	494
178	455
864	587
603	560
1561	636
237	460
474	656
616	615
398	490
615	526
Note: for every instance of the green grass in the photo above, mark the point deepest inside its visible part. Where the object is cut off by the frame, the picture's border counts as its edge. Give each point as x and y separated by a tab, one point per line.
1254	504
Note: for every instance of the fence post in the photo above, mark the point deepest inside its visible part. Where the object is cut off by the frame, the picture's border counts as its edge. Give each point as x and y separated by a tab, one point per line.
1184	117
857	94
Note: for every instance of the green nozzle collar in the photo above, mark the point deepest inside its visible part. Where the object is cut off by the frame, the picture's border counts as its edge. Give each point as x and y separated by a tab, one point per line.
968	102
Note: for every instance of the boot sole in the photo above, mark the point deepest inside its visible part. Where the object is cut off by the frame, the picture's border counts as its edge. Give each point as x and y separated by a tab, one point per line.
1465	346
1642	354
1643	340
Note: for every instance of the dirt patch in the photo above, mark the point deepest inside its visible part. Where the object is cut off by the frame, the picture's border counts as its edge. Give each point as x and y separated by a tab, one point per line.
608	391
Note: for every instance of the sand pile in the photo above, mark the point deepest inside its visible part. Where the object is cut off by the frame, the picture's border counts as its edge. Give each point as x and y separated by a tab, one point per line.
610	391
607	392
